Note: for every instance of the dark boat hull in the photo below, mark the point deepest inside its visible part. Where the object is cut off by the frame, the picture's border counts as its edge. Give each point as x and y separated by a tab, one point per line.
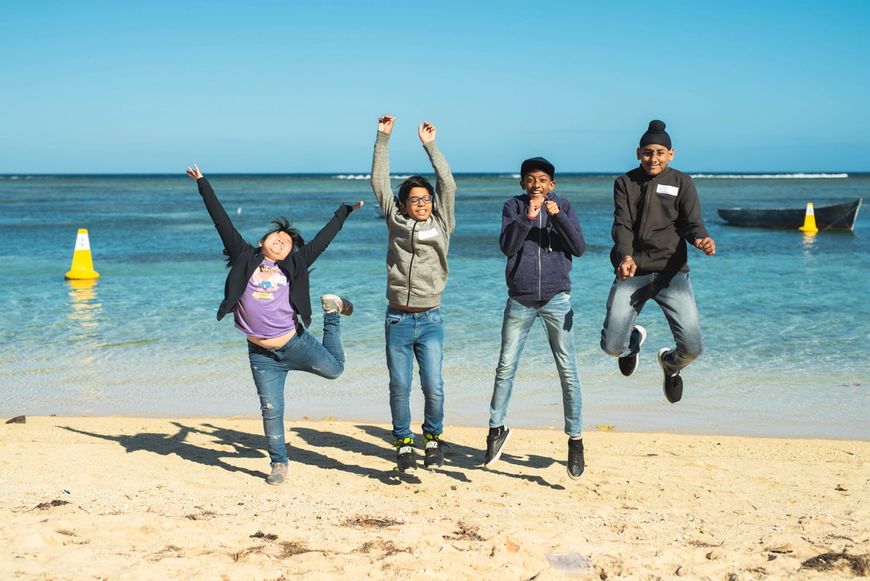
834	217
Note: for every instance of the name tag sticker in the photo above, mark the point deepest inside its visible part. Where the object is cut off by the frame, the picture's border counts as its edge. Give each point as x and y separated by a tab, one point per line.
667	190
426	234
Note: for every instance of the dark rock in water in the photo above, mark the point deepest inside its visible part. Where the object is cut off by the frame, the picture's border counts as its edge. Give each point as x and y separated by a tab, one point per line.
17	420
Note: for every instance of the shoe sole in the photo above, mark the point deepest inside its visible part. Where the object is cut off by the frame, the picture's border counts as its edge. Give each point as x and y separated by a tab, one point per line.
642	331
498	454
662	351
572	477
346	306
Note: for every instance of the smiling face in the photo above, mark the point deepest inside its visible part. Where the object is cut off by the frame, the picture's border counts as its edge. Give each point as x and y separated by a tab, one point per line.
276	246
654	159
418	204
537	184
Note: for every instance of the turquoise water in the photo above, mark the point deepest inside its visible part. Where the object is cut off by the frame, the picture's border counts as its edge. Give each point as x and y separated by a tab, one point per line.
785	318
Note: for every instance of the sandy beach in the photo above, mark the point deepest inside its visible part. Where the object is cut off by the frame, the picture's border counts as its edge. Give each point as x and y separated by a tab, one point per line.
133	498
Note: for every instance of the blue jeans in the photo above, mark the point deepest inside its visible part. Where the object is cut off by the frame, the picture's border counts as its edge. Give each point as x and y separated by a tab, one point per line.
673	292
557	317
420	335
303	352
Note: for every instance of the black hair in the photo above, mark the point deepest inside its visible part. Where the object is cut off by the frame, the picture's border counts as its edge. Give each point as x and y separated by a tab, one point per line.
279	225
414	182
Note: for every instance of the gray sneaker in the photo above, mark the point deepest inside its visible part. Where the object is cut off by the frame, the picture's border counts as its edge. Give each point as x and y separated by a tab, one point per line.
336	304
279	472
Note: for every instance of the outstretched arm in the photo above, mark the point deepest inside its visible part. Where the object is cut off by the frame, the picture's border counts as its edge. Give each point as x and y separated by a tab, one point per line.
381	164
232	240
445	186
313	249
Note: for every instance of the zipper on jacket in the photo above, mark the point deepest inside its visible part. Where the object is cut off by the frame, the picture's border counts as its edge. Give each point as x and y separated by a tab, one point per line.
540	249
646	201
411	264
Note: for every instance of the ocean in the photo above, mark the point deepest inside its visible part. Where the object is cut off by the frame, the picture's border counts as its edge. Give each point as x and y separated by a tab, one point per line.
784	316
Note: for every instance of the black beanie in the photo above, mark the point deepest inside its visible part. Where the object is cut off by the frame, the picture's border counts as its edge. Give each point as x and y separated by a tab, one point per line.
540	163
656	134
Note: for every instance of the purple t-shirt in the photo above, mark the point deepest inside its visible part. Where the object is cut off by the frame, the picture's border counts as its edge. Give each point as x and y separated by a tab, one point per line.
264	310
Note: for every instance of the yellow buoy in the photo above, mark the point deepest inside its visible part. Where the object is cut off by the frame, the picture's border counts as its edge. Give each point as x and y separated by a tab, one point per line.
809	220
82	264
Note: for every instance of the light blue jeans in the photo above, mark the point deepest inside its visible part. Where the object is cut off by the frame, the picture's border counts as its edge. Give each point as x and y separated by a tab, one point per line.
557	317
673	293
421	336
301	353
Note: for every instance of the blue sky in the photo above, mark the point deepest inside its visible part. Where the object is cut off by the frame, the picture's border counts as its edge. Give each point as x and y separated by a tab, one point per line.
139	87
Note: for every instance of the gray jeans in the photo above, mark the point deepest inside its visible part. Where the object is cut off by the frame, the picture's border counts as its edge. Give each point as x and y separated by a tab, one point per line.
673	293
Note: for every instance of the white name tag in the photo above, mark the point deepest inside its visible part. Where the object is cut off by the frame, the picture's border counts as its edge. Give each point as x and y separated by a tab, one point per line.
667	190
426	234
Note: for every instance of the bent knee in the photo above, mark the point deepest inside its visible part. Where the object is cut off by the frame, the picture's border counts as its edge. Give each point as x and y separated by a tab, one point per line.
611	349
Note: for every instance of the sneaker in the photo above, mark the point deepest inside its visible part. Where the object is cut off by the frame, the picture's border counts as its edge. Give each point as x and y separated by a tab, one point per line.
336	304
279	473
576	463
495	441
628	364
405	459
672	383
434	451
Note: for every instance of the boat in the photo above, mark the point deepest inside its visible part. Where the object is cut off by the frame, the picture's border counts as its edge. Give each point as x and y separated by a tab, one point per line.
834	217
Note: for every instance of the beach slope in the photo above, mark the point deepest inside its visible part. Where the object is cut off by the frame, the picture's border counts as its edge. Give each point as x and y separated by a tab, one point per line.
134	498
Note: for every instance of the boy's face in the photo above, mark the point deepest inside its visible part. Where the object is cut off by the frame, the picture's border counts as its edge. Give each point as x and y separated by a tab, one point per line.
276	246
418	204
654	159
537	184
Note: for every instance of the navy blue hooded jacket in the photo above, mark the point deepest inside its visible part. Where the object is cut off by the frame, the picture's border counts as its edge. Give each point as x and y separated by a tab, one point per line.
539	251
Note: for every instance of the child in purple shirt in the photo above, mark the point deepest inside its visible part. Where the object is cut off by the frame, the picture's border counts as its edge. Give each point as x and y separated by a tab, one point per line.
267	292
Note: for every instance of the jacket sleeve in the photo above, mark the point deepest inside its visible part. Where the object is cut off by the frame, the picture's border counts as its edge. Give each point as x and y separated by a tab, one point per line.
381	173
690	225
232	240
515	226
445	185
623	226
313	249
568	227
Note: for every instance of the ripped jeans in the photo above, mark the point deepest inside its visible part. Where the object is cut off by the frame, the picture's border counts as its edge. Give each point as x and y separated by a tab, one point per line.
303	352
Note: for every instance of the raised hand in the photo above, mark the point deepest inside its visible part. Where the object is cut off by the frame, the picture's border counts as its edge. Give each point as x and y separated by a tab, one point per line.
706	245
194	172
426	131
385	123
534	208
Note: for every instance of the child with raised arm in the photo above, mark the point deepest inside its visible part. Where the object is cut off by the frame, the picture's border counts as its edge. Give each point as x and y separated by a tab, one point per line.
267	292
419	222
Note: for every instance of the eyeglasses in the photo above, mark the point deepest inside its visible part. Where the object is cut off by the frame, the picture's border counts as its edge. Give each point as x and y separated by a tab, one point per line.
420	200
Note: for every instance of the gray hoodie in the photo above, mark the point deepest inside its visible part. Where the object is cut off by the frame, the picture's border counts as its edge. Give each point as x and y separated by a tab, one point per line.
416	251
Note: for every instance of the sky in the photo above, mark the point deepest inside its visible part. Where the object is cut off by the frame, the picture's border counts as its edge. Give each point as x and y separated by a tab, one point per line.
297	87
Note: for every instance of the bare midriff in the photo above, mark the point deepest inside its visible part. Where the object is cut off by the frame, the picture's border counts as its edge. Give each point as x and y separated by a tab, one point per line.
272	342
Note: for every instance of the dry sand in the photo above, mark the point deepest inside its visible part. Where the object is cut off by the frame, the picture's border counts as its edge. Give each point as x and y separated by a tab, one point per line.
129	498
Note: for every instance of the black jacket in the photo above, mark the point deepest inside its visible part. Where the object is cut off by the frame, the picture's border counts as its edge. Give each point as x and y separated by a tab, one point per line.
539	252
246	258
653	219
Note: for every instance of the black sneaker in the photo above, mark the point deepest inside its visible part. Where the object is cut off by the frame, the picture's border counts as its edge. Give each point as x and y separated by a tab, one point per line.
434	451
495	441
672	384
405	459
576	462
628	364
